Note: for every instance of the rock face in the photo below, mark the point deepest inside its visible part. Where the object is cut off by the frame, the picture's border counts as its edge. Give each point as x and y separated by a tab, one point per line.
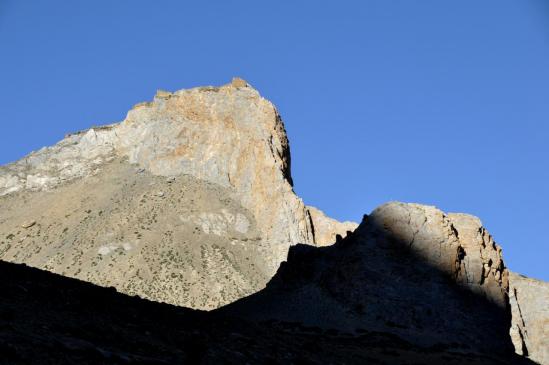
189	200
480	260
530	307
410	270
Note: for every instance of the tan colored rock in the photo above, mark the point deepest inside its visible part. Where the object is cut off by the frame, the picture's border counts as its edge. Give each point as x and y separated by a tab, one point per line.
326	228
238	82
163	94
529	300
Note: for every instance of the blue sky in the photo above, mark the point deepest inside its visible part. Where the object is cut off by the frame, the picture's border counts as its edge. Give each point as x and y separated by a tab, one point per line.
437	102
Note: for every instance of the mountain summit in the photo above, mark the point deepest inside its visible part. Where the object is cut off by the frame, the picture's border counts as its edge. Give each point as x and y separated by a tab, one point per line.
188	201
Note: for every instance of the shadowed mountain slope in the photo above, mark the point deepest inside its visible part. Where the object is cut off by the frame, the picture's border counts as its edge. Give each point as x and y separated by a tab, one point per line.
46	318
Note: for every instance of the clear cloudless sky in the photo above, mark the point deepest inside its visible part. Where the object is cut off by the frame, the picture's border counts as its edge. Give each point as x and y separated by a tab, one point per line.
436	102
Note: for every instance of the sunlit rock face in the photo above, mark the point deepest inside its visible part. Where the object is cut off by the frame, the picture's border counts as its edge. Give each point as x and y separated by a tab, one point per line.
408	269
530	307
190	200
455	244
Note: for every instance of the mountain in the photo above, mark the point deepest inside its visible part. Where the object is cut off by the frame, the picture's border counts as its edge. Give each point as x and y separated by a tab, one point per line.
189	202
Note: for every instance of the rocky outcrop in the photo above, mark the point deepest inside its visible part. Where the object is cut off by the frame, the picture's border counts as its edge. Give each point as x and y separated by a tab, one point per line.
189	200
530	308
528	298
480	264
410	270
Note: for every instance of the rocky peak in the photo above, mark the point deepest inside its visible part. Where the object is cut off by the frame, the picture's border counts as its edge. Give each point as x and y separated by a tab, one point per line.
229	137
185	132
